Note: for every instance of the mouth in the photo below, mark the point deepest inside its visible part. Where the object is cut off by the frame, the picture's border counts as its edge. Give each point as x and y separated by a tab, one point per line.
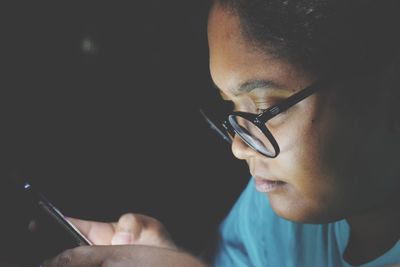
264	185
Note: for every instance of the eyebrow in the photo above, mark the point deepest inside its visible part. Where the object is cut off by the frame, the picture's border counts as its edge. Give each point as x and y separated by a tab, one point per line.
250	85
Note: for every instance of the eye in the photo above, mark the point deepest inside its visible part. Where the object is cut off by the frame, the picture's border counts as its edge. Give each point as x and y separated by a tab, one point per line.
275	120
261	106
260	110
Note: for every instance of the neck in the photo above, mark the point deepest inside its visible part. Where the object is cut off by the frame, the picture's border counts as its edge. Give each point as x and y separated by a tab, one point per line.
372	233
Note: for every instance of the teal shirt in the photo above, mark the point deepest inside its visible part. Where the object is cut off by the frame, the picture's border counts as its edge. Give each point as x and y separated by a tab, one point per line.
253	235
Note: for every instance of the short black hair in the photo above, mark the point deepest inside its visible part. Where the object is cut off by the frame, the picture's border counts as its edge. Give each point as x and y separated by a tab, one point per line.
327	37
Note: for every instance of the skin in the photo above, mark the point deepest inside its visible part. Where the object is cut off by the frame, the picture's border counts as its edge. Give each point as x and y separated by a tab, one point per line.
337	147
131	229
121	256
135	240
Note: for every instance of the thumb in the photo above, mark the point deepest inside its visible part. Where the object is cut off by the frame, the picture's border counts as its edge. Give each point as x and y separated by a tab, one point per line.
128	229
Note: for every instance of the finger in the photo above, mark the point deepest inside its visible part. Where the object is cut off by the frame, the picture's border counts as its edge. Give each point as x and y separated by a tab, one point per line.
88	256
132	256
128	229
98	232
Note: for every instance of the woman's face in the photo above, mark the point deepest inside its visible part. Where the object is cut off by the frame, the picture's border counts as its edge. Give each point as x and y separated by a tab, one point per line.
329	166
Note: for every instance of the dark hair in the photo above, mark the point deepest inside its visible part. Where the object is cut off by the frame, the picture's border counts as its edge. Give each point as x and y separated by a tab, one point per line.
324	36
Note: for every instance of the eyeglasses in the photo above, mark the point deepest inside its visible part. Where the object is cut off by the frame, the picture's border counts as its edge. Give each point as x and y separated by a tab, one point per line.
252	129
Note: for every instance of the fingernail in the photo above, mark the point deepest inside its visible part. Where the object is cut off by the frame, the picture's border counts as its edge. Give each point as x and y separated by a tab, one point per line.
122	238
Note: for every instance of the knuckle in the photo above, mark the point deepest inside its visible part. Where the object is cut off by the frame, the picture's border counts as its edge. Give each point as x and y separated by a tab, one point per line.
158	228
155	225
151	222
64	259
82	251
130	218
67	258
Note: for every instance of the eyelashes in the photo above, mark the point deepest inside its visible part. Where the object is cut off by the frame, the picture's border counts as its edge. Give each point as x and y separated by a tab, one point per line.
251	105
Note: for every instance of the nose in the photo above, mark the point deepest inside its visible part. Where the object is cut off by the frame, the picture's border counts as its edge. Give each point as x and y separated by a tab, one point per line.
241	150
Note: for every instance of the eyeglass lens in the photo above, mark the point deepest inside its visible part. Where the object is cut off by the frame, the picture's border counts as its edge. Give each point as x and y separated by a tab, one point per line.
251	134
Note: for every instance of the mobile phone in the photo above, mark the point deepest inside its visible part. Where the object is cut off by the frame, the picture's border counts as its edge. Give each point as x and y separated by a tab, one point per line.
56	216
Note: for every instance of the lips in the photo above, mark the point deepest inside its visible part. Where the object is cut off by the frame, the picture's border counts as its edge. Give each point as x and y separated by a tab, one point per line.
268	185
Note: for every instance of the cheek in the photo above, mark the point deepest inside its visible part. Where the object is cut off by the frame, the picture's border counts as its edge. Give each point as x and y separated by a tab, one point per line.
315	192
302	139
303	159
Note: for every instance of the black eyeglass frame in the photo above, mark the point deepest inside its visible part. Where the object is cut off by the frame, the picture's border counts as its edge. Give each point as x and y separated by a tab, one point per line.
261	119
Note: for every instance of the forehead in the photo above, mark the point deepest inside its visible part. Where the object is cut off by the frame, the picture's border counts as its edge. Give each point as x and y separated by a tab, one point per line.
235	59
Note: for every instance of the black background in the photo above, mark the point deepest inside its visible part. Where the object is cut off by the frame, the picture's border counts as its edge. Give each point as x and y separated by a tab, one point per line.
99	107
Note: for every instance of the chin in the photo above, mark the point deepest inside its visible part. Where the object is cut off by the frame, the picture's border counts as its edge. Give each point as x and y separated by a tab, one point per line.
297	211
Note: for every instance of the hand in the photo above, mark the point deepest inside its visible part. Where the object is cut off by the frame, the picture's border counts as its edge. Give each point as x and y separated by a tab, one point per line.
131	229
122	256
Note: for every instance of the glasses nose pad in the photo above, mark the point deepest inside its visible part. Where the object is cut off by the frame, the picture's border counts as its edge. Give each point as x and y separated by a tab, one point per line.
229	132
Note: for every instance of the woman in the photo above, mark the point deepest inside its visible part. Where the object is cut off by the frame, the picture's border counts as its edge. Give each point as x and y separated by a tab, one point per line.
315	87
